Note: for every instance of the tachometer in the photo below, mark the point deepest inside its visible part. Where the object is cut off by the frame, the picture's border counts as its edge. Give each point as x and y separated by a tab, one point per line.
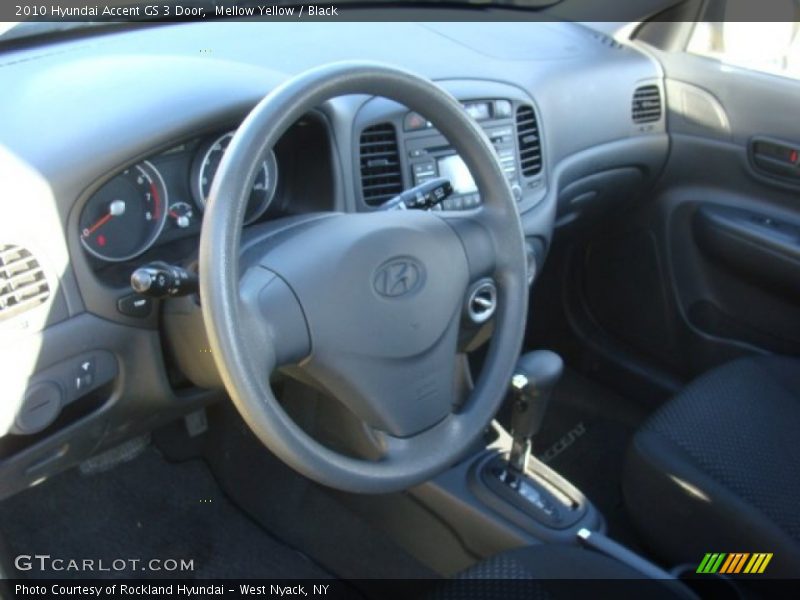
124	217
206	167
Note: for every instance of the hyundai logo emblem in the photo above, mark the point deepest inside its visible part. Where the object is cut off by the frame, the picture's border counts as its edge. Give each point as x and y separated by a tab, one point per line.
398	277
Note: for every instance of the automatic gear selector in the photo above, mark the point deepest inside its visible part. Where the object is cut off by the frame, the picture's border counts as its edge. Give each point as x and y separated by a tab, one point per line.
513	482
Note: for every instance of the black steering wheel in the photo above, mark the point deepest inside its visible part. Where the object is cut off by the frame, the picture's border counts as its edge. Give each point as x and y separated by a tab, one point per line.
368	305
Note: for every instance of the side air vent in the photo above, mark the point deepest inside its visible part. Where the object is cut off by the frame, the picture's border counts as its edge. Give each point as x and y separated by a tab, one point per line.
530	145
23	284
646	104
381	178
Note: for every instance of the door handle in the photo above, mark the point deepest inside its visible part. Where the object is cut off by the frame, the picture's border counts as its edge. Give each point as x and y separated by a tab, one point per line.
774	157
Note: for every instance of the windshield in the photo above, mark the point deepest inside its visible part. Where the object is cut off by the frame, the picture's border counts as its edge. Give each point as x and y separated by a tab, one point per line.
69	16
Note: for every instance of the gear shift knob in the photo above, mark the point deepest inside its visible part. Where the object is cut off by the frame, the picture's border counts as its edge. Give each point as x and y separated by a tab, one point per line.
542	367
541	371
534	378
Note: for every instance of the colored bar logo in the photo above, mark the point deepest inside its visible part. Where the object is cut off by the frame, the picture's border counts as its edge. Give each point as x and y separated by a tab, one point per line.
734	563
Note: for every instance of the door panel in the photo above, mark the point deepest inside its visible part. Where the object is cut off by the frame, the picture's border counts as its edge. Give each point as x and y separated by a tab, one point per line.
732	226
760	248
709	268
735	250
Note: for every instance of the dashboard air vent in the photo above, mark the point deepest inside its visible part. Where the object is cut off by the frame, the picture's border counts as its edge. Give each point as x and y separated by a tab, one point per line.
606	40
23	284
381	177
646	104
530	144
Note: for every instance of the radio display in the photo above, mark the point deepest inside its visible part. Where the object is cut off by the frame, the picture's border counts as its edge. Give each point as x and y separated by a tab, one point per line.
454	169
478	110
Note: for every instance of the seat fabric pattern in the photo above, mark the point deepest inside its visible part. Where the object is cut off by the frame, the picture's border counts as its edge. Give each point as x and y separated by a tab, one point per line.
717	468
741	425
554	572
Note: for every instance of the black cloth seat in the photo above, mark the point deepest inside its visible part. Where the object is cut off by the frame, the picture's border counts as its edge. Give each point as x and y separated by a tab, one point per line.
717	468
551	572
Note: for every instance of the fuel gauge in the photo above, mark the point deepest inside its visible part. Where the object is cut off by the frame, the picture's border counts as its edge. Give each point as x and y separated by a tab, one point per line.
181	213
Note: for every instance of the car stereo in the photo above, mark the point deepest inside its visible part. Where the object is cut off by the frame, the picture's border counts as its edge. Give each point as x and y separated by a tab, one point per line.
430	154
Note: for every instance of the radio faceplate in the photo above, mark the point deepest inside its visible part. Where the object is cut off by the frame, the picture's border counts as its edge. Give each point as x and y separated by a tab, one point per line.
429	155
398	149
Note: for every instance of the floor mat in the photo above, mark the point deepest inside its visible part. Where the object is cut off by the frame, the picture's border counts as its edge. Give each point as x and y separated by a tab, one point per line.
298	511
584	437
146	509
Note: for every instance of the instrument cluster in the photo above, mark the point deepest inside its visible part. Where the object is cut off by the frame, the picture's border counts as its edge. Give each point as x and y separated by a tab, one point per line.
162	198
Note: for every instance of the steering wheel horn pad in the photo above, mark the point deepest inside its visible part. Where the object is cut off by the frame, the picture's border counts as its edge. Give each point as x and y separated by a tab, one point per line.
381	294
368	305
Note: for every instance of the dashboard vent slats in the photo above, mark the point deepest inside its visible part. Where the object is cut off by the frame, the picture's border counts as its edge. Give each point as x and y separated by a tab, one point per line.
530	144
381	177
607	40
23	284
646	104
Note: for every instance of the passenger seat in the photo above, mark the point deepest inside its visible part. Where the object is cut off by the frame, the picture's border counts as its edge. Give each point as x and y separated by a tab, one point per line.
717	468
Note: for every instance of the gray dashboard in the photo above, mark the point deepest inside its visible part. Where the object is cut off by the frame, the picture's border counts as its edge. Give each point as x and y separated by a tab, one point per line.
78	112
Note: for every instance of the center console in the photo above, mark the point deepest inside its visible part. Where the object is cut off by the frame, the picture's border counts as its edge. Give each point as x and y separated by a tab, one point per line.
502	496
474	499
515	481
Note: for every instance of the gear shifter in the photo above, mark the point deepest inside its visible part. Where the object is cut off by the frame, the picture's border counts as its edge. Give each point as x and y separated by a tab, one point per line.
535	376
519	483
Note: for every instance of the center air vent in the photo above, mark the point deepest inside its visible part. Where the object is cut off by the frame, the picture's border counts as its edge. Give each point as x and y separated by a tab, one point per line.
381	178
23	284
646	104
530	144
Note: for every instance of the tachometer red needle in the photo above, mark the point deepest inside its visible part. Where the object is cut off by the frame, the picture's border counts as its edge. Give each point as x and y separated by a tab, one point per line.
102	221
116	208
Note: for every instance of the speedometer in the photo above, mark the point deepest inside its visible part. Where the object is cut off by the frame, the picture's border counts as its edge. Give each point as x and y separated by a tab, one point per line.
205	169
125	216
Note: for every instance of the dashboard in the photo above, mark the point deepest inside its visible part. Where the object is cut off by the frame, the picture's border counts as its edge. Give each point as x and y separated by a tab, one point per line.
108	174
153	209
138	208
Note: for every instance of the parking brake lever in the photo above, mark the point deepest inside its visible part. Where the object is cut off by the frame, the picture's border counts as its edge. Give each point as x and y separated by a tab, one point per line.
421	197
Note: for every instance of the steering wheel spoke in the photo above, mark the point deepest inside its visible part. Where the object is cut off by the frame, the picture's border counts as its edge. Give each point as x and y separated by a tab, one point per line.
273	317
479	247
401	395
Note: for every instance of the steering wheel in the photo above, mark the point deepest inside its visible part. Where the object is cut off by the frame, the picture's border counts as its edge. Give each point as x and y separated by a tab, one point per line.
368	305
